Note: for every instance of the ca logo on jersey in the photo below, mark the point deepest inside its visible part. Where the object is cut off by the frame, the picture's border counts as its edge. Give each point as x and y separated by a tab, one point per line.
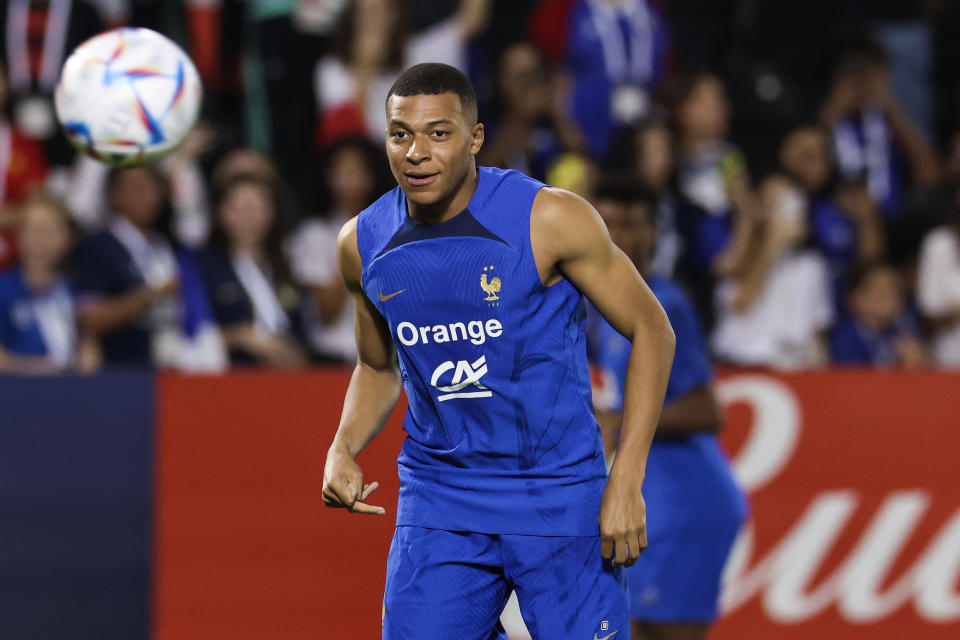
466	375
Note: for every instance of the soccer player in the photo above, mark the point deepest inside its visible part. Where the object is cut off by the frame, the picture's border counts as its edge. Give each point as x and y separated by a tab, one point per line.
469	286
695	506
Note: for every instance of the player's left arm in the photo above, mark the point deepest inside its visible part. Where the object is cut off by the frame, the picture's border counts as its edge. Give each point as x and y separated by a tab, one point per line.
570	240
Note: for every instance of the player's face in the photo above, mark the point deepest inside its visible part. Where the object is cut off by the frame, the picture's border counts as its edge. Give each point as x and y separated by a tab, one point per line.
431	146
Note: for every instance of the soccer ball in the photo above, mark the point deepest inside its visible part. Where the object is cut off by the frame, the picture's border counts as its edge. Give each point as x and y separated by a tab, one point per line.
128	96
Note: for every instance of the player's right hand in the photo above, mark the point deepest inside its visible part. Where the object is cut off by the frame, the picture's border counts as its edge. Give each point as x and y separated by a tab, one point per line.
343	486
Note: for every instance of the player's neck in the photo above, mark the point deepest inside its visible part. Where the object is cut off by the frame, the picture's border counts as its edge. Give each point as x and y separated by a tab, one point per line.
449	207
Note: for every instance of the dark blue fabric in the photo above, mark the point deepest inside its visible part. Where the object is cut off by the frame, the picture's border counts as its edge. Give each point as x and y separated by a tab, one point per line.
892	204
197	312
230	305
462	225
852	342
229	300
705	235
836	236
849	346
75	506
105	269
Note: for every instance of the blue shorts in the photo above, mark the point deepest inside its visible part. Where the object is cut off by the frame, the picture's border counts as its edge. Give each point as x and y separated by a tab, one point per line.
448	585
694	511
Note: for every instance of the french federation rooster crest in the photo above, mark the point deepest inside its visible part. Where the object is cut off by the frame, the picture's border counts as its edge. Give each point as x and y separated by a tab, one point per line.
492	287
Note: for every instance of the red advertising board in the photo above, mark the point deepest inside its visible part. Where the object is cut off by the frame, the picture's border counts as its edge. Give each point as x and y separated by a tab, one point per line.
245	549
853	481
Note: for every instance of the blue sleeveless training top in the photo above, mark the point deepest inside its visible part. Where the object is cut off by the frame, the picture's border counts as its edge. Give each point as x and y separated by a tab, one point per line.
501	432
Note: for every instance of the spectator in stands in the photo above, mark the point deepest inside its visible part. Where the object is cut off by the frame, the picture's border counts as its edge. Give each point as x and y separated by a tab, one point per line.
247	276
872	134
142	300
938	288
36	36
646	154
777	309
86	195
244	161
188	189
441	29
355	173
616	55
23	166
845	222
717	206
38	327
373	45
879	330
655	168
531	128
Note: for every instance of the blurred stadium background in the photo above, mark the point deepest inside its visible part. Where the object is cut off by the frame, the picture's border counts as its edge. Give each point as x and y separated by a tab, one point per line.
163	426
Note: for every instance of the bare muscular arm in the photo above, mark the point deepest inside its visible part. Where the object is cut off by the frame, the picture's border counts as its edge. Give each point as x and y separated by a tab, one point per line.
373	392
570	241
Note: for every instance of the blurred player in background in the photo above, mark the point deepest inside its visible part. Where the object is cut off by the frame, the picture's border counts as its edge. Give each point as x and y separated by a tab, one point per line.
468	285
694	504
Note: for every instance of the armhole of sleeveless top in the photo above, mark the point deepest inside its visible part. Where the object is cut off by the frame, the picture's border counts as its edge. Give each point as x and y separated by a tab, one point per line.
362	221
533	257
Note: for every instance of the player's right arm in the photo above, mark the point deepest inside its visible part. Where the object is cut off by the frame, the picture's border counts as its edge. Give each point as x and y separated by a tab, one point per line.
373	392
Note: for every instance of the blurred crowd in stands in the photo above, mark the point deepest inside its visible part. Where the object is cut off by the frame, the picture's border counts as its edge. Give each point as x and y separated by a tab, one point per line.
799	160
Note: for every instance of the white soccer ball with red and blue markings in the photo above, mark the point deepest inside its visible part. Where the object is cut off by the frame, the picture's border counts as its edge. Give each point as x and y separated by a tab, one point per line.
128	96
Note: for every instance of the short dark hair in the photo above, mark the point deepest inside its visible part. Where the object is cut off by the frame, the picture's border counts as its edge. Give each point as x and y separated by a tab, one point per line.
629	191
434	78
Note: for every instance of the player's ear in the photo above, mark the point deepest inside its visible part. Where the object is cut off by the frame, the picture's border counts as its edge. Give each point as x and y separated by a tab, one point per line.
477	133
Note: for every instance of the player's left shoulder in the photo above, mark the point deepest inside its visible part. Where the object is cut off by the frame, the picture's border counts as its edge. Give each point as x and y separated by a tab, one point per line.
563	215
564	226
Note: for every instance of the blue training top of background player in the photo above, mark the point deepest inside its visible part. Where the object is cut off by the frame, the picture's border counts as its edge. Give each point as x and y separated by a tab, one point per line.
611	351
694	507
502	436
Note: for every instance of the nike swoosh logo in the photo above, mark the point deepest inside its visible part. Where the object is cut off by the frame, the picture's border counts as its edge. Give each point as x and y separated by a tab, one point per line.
384	298
605	637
